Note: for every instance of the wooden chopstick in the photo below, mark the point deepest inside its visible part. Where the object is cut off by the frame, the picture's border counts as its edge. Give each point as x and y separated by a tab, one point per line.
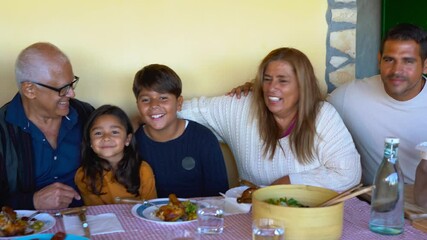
341	194
347	196
416	216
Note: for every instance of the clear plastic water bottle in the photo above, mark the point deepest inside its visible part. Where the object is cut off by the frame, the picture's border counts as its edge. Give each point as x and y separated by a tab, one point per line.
387	215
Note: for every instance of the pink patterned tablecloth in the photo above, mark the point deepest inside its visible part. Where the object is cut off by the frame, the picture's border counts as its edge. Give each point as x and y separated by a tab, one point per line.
237	227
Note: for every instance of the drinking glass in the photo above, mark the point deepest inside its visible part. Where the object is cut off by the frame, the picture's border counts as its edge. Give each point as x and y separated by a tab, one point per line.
267	229
210	216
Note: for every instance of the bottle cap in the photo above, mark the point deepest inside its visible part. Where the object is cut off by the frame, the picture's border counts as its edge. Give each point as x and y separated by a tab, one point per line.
422	147
392	140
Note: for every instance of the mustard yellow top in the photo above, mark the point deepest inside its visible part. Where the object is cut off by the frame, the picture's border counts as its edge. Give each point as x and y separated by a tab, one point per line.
112	188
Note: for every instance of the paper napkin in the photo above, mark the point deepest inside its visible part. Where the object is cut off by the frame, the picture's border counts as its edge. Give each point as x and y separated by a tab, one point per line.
233	207
98	224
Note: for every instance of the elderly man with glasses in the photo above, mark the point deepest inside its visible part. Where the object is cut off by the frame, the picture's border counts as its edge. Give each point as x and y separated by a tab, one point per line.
41	132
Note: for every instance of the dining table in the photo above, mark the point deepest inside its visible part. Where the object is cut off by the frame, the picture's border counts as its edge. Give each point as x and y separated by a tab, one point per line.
236	226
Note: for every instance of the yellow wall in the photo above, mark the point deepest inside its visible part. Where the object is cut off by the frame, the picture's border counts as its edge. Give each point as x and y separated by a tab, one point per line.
212	44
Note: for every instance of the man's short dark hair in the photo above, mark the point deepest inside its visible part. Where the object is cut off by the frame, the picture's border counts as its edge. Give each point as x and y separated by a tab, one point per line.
406	32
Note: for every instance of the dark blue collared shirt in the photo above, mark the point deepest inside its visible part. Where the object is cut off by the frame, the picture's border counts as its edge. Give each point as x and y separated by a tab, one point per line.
51	165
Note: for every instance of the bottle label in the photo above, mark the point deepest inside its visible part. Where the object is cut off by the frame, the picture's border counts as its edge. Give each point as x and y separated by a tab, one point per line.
390	151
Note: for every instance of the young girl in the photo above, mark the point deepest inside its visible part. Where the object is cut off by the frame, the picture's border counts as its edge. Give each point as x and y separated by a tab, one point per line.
110	166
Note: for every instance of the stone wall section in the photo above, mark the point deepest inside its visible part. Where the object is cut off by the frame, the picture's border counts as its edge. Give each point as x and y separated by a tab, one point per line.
341	43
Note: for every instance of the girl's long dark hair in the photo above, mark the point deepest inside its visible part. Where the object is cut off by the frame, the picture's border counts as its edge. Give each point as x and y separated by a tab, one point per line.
127	172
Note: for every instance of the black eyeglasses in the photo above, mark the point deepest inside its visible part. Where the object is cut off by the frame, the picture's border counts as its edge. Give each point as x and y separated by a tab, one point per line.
62	91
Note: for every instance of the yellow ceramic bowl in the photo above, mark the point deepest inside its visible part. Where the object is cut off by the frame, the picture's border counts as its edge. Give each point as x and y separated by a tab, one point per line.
301	223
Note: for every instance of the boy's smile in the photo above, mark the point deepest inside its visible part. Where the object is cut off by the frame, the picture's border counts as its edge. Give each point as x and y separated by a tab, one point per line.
157	116
158	113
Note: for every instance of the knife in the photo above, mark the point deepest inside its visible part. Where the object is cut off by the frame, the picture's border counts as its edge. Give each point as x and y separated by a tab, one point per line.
70	211
85	225
134	201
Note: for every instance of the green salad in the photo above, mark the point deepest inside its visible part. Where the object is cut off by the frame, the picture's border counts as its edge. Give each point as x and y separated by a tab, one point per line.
190	210
286	202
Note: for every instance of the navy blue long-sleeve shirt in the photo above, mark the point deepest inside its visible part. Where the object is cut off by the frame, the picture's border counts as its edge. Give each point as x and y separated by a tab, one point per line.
191	165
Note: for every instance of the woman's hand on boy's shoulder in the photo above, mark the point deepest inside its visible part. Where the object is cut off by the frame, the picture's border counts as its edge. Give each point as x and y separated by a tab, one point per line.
242	89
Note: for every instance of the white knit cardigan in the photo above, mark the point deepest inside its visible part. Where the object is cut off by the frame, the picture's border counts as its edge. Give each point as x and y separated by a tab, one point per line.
336	162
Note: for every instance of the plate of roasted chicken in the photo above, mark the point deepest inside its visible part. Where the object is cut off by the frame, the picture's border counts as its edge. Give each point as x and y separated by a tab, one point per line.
170	210
15	223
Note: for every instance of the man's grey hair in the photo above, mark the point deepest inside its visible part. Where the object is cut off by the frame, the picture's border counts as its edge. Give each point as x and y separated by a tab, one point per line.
35	62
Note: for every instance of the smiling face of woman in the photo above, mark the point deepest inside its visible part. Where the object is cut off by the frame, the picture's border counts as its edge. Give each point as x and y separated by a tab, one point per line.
280	89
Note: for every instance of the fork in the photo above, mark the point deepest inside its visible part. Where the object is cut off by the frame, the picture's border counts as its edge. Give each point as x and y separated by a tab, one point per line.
31	217
129	200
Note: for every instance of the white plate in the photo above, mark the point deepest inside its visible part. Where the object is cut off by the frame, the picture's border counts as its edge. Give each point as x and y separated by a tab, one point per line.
46	218
231	204
147	211
236	191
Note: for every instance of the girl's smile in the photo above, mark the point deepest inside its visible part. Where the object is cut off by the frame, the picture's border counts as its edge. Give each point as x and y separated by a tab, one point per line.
108	138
